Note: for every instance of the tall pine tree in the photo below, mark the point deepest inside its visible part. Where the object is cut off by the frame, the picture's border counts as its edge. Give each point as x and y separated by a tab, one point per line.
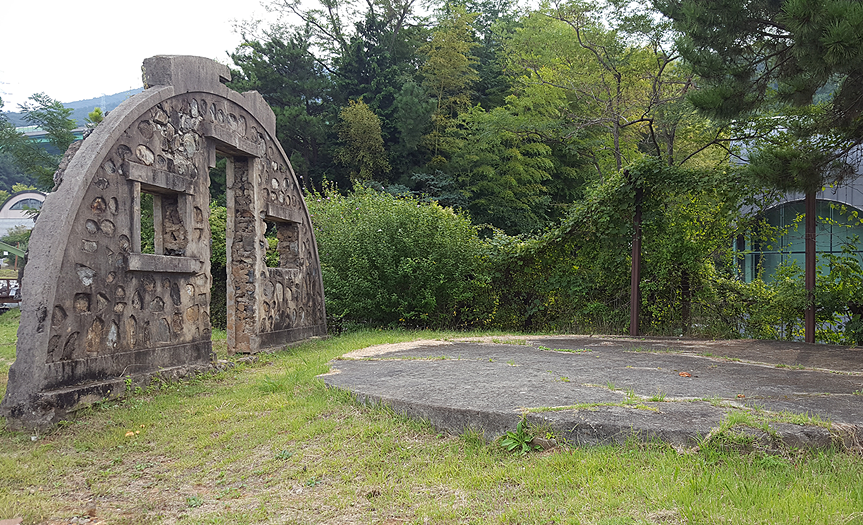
797	62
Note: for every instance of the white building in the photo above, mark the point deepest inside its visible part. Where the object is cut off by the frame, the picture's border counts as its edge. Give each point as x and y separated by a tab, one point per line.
15	211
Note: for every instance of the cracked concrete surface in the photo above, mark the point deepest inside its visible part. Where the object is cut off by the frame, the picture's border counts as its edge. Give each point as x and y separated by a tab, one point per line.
605	389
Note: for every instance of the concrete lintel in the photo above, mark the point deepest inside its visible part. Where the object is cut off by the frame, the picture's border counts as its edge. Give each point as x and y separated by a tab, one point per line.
154	179
277	212
146	262
229	141
184	73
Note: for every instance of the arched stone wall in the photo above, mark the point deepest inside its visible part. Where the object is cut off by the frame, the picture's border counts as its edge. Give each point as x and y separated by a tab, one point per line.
96	310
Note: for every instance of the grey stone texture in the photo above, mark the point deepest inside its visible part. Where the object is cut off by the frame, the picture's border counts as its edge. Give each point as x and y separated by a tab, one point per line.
96	310
601	390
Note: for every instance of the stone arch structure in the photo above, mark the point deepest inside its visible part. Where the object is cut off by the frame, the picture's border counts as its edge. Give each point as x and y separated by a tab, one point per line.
96	310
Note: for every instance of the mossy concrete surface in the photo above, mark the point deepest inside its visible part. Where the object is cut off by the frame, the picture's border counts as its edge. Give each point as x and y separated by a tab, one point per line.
598	390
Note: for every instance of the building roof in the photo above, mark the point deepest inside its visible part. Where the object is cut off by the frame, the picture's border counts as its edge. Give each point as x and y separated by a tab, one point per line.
18	204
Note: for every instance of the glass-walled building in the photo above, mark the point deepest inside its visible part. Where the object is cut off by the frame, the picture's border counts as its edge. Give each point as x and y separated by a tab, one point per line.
839	226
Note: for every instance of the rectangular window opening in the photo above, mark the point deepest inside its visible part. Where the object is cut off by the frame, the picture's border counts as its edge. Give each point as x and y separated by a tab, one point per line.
288	235
161	223
147	225
273	256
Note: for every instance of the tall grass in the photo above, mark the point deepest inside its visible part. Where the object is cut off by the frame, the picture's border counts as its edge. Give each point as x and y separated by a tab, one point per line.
269	443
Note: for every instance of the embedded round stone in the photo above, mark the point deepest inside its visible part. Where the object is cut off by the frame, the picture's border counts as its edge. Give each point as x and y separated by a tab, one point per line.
145	155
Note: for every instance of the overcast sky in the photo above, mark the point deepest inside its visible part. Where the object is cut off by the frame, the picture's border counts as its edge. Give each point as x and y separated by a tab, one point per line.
80	50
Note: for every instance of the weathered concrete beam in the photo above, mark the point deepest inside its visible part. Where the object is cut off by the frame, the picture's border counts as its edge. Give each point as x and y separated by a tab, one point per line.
154	179
230	142
276	212
147	262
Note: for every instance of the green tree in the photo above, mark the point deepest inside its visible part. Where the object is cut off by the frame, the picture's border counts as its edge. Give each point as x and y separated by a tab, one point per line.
792	70
375	65
283	70
94	118
52	117
363	147
412	119
448	71
496	21
37	162
10	173
619	83
19	157
502	172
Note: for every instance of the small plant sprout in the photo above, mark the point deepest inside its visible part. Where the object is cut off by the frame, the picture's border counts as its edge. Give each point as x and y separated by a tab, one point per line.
658	397
568	350
520	440
194	501
611	386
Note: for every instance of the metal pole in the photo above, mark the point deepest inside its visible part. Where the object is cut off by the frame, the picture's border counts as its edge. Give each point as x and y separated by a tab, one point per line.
635	297
809	327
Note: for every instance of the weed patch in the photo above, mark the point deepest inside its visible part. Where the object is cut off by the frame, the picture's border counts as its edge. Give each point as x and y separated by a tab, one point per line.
567	350
269	443
519	441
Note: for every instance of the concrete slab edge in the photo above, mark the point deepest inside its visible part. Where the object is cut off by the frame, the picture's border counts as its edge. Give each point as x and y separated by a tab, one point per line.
587	428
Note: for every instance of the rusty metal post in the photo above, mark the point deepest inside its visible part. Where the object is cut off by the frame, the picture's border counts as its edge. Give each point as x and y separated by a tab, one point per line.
809	322
635	296
685	302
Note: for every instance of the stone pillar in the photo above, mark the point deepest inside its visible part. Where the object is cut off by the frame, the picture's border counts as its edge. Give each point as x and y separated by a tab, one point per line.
246	252
257	239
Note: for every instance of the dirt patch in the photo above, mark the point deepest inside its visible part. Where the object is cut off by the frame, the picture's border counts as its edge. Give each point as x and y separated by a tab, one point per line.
376	350
500	339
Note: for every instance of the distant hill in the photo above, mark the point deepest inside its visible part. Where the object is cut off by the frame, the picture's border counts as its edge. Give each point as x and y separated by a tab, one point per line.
82	107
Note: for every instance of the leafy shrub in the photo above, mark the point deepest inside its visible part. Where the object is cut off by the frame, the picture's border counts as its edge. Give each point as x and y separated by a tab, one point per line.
218	260
390	260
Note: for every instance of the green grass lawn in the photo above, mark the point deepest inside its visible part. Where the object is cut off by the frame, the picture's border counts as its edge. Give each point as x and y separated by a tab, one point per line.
8	337
268	443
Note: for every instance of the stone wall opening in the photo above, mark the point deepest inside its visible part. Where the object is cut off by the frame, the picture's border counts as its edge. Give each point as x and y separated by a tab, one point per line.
272	257
146	219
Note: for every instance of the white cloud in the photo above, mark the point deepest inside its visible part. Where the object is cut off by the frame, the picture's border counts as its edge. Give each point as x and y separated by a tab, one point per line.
80	50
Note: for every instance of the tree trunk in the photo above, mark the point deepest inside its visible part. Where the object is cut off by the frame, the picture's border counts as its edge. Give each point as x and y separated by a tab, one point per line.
635	296
685	301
